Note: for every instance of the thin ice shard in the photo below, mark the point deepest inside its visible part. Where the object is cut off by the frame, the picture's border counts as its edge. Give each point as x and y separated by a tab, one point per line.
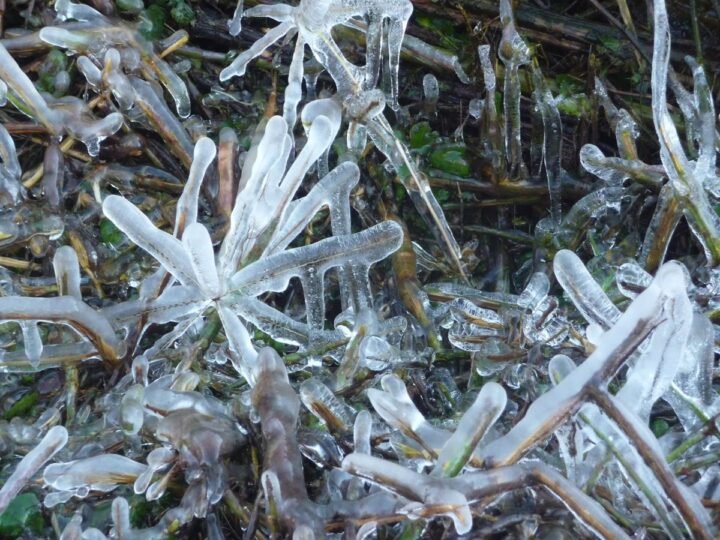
552	143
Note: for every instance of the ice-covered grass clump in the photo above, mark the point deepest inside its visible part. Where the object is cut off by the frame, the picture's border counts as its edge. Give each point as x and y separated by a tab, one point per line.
245	338
254	257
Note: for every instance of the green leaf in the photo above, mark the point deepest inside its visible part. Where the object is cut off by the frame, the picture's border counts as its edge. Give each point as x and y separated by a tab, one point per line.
182	13
22	406
22	514
421	135
659	427
109	233
152	21
451	159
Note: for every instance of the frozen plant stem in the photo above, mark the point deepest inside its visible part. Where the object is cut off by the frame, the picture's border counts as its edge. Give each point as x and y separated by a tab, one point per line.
686	177
54	441
652	309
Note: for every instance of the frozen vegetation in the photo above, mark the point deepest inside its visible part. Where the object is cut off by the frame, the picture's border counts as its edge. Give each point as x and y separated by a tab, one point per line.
232	333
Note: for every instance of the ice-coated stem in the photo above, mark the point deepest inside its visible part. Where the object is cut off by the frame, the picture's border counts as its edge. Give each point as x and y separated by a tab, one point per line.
688	187
70	310
16	79
417	186
583	290
645	314
278	406
478	485
53	441
552	143
480	417
687	503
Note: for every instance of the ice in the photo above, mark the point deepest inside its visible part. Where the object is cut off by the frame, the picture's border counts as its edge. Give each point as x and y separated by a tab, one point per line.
167	249
362	430
235	24
162	120
397	409
514	52
187	206
590	300
616	170
386	23
53	175
631	279
684	175
274	272
32	342
552	143
68	115
238	66
10	172
473	425
431	92
692	390
68	310
278	407
645	314
534	292
116	80
94	34
198	244
495	143
293	90
131	409
53	441
434	496
327	407
103	472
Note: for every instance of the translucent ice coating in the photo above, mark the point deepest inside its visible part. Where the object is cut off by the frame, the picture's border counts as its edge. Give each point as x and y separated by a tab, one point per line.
10	171
687	178
661	313
94	34
53	441
313	20
77	478
552	143
69	115
278	407
583	290
514	52
253	257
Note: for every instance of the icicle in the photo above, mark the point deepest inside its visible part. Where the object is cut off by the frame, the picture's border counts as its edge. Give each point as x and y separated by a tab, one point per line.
552	143
54	173
235	24
513	52
361	432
